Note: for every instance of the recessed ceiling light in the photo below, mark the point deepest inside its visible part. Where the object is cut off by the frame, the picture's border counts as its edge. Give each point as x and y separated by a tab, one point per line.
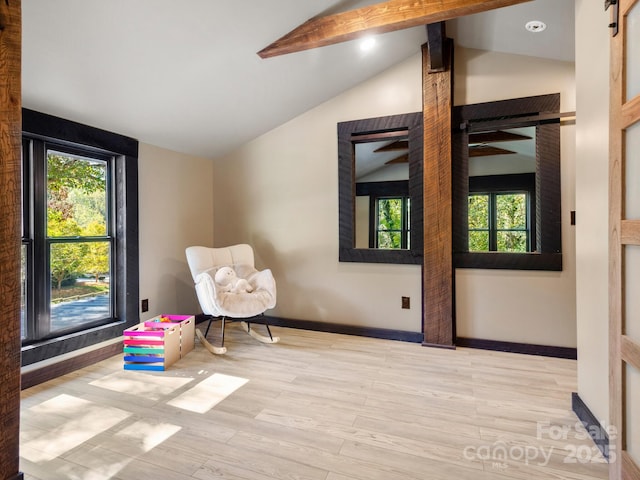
535	26
367	44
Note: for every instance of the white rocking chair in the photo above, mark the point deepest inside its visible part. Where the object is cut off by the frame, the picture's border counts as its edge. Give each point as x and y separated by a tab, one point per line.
217	301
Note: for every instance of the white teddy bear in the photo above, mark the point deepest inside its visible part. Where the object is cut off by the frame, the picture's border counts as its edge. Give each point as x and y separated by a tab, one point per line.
228	281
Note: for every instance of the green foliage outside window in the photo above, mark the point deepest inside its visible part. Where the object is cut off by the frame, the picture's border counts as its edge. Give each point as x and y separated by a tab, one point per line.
391	216
76	207
479	223
511	219
498	222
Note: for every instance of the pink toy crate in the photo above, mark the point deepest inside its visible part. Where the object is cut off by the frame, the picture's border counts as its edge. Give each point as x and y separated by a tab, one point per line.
147	348
186	324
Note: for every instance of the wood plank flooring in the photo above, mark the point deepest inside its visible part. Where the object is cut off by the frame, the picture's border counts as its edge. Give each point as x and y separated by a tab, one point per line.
316	406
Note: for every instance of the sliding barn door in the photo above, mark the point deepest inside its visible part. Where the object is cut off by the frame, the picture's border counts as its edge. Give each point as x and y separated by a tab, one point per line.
624	241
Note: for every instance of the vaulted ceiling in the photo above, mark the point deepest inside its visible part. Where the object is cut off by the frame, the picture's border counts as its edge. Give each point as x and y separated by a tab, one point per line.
186	75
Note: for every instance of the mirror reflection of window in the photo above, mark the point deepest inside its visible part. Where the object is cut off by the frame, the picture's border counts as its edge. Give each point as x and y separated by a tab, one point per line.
501	203
498	222
379	159
382	193
392	223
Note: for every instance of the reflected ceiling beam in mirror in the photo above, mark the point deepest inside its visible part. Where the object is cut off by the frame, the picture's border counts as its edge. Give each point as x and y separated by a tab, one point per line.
382	17
487	151
496	136
401	159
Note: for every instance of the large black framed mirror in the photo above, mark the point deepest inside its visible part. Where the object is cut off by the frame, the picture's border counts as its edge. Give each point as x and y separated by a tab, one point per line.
380	189
506	184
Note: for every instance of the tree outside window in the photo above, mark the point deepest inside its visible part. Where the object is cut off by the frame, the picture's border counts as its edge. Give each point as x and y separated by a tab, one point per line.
498	222
392	224
77	233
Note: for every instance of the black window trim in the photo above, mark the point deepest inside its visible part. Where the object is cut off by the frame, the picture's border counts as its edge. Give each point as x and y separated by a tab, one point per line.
66	133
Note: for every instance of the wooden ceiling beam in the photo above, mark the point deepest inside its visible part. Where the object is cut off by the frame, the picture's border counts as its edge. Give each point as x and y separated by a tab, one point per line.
382	17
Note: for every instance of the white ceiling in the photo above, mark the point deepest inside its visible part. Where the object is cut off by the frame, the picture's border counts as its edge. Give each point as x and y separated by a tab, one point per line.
184	75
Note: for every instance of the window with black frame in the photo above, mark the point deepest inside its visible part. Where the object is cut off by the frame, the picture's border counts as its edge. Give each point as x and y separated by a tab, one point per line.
70	238
79	240
391	227
500	212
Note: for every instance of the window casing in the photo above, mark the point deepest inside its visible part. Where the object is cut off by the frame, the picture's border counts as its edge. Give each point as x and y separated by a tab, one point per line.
80	238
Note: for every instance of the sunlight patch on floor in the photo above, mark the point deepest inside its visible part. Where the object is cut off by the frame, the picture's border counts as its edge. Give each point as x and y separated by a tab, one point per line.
208	393
145	436
70	421
151	387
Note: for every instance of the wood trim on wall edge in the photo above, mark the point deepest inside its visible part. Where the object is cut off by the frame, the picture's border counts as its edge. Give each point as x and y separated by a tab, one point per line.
383	333
36	376
523	348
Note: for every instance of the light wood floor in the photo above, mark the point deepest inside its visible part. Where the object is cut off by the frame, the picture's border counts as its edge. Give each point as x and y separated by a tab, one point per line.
316	406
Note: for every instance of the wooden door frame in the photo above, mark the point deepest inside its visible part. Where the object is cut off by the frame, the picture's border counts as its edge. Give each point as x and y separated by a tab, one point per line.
622	349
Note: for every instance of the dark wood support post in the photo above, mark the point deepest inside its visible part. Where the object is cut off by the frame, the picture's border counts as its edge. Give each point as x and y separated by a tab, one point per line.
436	40
438	298
10	177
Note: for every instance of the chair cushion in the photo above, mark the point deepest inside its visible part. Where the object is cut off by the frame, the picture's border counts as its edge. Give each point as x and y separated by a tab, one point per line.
237	305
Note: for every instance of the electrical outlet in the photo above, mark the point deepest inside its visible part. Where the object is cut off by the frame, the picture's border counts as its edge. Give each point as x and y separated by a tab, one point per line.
145	305
406	302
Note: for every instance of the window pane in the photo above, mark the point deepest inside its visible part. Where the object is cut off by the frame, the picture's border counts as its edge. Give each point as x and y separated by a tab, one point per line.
479	211
80	289
76	196
389	240
390	214
479	241
512	241
632	41
632	170
511	211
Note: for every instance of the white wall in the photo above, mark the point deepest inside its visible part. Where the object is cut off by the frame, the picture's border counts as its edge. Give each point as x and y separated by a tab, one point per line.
176	211
280	193
592	204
